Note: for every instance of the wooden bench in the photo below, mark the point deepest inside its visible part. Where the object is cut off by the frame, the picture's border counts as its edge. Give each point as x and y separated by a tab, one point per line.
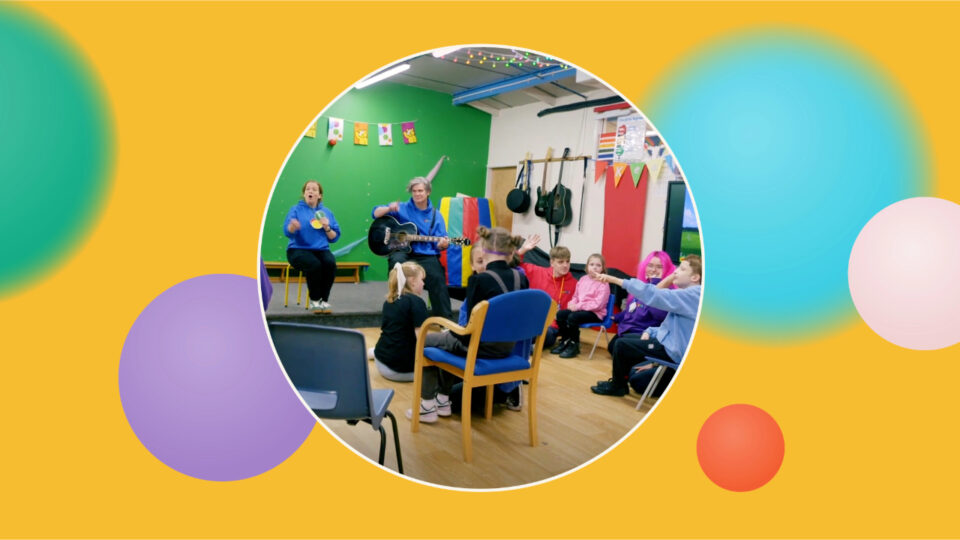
354	268
353	277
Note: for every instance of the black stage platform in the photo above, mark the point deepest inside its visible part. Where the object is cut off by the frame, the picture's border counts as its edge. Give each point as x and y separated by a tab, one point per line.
355	305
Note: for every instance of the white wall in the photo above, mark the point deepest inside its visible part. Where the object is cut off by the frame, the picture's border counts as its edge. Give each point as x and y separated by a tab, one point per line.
518	130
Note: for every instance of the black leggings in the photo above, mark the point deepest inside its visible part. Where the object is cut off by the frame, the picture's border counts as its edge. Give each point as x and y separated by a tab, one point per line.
318	266
569	322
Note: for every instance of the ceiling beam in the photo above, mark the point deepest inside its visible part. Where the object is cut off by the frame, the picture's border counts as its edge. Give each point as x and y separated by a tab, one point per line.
510	84
540	95
484	107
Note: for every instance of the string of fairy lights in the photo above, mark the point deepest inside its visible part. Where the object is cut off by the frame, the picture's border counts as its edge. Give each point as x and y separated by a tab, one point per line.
496	59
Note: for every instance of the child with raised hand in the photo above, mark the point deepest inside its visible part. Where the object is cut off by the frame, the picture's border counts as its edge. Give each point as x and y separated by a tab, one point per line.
637	316
668	341
403	313
497	278
556	280
588	305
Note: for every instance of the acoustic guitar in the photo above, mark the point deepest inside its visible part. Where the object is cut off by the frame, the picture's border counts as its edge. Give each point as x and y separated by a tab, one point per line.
559	209
387	235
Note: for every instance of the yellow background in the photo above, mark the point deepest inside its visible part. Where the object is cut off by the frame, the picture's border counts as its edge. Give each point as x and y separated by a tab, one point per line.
208	99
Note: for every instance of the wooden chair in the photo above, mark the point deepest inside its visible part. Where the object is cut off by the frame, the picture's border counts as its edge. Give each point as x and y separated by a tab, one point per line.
514	316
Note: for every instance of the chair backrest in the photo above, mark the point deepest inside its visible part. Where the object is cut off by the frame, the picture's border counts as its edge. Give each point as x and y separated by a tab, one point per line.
611	303
328	360
516	315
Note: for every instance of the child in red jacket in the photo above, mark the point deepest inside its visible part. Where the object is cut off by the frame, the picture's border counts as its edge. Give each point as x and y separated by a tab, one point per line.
557	281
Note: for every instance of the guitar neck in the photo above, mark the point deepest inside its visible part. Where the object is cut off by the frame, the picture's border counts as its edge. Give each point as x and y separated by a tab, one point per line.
422	238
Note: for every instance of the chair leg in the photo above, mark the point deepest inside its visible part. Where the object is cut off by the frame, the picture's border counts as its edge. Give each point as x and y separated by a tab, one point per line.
595	343
651	385
415	406
286	286
396	441
300	287
532	411
465	423
488	407
383	445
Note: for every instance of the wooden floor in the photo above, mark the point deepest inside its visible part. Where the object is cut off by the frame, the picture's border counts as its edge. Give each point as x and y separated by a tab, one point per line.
574	424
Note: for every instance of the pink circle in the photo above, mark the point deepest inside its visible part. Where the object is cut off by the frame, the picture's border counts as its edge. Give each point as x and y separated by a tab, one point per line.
903	273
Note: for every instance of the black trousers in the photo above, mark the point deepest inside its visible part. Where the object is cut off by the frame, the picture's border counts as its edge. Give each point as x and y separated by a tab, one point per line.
630	350
569	322
435	283
318	266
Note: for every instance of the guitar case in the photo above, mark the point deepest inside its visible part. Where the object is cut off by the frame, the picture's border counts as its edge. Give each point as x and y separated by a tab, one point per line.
518	200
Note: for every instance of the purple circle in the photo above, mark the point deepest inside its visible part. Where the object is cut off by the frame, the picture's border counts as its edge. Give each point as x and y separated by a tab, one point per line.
201	387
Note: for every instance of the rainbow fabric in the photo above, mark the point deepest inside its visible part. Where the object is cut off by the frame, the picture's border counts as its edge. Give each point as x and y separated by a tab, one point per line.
462	216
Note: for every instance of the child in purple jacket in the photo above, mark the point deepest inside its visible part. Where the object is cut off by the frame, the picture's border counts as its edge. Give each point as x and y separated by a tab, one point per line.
636	316
588	305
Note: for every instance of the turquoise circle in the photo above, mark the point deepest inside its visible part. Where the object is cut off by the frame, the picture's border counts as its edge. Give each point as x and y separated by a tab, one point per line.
55	145
790	144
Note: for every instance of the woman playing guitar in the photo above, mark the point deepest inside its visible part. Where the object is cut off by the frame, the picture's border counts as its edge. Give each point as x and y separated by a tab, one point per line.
421	212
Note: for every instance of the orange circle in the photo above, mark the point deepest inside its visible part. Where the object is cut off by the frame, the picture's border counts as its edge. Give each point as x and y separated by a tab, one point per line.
740	447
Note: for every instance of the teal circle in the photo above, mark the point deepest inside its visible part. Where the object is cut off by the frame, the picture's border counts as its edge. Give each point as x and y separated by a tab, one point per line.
55	148
790	143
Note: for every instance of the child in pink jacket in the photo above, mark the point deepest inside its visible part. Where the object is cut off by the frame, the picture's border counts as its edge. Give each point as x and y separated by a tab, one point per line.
588	305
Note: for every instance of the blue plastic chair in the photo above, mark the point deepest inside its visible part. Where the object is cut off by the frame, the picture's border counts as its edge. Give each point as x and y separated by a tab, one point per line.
662	366
605	324
328	367
513	316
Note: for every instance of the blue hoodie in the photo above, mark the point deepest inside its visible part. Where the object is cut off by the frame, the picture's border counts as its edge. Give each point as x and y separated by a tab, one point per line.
681	306
409	213
308	237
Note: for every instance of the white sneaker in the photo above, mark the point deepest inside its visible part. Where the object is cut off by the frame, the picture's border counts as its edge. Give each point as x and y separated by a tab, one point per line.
313	304
428	412
443	405
515	399
322	306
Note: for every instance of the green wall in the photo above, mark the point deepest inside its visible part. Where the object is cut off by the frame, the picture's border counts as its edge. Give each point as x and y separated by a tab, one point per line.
355	178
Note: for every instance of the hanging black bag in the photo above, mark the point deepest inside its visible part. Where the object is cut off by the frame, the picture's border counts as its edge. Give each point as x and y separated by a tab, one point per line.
518	200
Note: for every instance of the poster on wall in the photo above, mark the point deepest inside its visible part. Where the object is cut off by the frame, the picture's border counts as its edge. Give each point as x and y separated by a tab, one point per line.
629	143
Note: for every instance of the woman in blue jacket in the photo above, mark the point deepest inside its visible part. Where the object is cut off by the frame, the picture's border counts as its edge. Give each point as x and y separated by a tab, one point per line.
311	228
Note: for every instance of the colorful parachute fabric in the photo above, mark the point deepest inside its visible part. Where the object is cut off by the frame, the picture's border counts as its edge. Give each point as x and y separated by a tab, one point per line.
462	216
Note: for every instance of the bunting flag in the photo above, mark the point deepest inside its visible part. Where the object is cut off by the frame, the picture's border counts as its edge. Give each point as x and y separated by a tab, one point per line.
335	129
360	133
409	133
462	216
599	169
312	131
636	169
618	173
386	134
654	165
608	142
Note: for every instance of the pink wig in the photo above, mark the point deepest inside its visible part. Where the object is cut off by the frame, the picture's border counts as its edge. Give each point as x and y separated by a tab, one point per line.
668	267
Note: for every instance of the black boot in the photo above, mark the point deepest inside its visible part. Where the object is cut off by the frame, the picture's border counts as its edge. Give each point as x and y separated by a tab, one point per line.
560	346
572	349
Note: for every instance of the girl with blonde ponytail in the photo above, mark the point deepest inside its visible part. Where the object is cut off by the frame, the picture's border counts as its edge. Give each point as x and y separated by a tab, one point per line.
403	313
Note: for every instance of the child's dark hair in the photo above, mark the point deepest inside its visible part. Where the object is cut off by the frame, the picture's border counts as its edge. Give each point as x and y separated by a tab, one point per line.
603	262
498	241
